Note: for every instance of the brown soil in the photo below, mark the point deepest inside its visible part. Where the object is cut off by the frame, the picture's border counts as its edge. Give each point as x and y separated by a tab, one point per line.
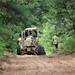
37	65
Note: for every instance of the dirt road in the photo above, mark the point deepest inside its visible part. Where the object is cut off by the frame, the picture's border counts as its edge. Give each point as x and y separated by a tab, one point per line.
37	65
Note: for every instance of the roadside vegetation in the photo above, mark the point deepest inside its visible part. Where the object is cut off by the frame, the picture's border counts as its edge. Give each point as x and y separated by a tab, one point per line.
49	16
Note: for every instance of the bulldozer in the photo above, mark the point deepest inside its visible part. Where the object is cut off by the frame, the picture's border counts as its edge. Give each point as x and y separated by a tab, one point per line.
28	42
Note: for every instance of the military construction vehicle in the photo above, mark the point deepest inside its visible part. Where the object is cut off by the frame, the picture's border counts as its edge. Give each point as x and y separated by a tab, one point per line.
28	42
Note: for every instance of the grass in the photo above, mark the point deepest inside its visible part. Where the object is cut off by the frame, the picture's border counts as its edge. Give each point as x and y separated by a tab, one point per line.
68	45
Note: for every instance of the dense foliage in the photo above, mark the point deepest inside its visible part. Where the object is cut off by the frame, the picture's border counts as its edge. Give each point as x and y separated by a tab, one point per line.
49	16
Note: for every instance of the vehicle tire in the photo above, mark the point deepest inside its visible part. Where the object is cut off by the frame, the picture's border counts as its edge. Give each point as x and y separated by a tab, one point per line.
39	50
18	50
43	51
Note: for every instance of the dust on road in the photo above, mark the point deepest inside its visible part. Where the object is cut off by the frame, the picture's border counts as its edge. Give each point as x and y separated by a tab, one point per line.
37	65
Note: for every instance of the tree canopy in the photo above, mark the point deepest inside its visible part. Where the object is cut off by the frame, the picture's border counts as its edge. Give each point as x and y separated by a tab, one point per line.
49	16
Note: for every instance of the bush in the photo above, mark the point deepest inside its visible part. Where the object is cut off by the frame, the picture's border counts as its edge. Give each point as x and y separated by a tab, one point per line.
69	45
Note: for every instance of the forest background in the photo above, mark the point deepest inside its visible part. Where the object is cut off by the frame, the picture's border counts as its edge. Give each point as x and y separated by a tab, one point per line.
49	16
